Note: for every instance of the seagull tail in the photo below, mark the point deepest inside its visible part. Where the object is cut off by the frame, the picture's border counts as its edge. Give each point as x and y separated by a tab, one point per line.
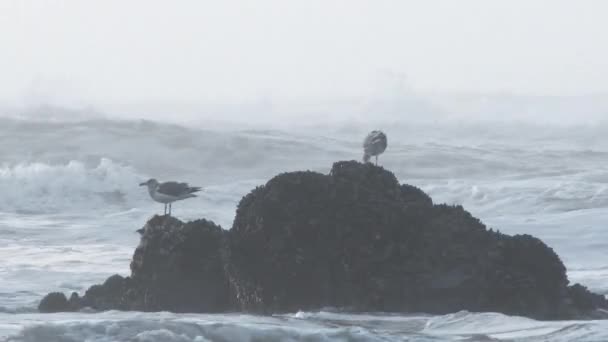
366	157
194	189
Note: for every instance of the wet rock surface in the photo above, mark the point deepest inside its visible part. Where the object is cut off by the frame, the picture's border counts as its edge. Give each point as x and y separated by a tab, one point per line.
355	239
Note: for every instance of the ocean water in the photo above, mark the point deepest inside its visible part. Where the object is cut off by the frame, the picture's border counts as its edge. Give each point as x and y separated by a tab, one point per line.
70	204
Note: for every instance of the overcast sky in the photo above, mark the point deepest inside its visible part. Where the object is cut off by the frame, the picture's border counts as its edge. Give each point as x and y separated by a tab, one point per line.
192	52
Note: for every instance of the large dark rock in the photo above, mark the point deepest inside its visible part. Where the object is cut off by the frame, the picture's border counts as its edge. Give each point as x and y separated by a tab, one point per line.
355	239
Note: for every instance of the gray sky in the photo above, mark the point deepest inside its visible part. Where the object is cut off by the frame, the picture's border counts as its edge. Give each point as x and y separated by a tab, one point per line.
198	52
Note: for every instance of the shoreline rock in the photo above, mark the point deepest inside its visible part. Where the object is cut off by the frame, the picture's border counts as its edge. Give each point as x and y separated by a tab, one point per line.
355	238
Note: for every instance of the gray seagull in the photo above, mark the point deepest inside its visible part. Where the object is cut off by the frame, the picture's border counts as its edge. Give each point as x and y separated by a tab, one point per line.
169	192
373	145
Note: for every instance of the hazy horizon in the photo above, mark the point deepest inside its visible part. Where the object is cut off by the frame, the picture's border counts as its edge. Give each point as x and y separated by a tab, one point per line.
540	61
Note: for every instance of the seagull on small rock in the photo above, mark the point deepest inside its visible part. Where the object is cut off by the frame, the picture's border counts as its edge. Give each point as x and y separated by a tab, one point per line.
169	192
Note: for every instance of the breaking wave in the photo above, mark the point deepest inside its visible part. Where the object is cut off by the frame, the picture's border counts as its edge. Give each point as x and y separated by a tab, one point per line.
44	188
52	166
164	327
309	326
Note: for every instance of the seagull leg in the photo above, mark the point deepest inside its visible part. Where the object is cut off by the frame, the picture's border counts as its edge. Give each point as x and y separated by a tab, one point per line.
169	209
165	208
376	160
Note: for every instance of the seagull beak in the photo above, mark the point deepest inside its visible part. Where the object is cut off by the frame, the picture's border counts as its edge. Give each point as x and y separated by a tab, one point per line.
142	184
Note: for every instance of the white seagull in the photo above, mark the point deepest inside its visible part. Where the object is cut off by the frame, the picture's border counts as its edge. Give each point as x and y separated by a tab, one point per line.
169	192
373	145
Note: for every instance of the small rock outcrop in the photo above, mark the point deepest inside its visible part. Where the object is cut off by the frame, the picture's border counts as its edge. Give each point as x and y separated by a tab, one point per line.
355	239
177	267
54	302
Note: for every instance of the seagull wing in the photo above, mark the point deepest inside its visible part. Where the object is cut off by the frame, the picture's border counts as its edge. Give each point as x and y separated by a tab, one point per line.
174	189
379	140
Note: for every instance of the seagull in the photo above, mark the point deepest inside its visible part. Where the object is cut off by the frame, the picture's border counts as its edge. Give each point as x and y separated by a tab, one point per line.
169	192
373	145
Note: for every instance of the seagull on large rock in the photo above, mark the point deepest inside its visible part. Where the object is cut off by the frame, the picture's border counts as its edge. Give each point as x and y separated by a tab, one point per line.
373	145
169	192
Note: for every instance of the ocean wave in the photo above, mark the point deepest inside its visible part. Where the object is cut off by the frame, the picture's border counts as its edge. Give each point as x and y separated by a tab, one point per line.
319	326
18	310
166	151
521	197
486	179
188	328
43	188
499	327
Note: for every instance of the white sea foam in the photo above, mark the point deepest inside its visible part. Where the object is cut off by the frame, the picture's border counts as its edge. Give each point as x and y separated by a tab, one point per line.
319	326
70	187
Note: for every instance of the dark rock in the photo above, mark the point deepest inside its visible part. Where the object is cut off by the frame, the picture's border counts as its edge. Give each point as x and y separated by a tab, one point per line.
180	267
106	296
584	302
75	302
412	196
54	302
355	238
176	267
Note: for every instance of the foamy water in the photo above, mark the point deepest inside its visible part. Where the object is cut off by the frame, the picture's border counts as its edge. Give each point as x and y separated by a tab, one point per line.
71	203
